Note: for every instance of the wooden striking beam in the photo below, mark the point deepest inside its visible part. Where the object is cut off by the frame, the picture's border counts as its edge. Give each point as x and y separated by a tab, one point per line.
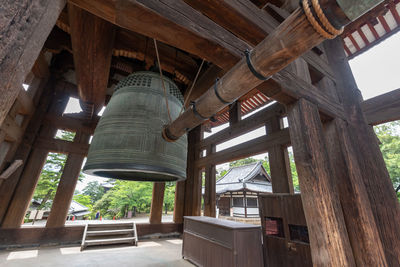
382	108
326	227
23	43
92	42
250	123
61	146
157	202
253	147
140	18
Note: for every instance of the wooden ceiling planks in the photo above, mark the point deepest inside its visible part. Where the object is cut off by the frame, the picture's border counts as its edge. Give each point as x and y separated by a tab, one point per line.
142	19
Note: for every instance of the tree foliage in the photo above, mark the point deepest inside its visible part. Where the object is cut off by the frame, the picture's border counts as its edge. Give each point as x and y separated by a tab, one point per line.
389	137
129	195
94	190
46	187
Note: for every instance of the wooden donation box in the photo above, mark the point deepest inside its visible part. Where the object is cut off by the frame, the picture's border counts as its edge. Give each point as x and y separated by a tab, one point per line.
284	229
212	242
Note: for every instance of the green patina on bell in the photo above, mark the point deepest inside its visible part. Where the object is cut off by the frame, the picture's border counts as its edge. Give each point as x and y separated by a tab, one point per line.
127	143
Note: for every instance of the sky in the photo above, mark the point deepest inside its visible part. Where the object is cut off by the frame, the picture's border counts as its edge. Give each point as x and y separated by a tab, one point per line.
376	71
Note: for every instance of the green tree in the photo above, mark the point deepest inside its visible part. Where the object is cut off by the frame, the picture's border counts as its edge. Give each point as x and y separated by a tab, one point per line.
169	196
389	137
94	190
84	200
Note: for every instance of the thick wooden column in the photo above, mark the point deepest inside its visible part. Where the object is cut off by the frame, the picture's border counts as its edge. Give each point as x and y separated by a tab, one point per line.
235	113
66	187
279	162
30	175
179	202
360	223
210	187
8	186
157	203
380	191
26	23
329	241
193	177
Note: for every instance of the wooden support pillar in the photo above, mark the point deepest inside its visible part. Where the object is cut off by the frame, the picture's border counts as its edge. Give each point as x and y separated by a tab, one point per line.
193	177
380	191
235	113
179	202
66	187
157	203
26	24
360	222
210	187
329	241
279	163
26	185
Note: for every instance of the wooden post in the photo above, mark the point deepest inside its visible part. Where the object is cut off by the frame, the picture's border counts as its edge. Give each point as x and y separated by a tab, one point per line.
235	113
66	187
380	191
7	187
210	187
193	179
360	222
31	173
157	203
26	24
245	204
279	162
329	241
179	202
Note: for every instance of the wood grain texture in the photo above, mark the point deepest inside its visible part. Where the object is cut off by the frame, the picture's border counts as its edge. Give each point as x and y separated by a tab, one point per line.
193	177
66	187
157	202
382	108
382	197
329	241
360	222
92	41
25	26
179	202
210	201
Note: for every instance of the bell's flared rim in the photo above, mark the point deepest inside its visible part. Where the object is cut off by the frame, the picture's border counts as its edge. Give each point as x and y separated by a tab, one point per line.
134	172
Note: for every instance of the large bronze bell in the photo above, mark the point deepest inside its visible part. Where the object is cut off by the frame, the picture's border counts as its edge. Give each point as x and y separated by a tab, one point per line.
127	143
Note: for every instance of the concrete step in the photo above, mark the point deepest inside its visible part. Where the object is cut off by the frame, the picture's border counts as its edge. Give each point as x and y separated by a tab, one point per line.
109	241
109	232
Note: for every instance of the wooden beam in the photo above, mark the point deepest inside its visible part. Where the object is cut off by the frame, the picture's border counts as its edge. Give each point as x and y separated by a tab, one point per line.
23	43
61	146
12	130
193	178
157	202
147	18
382	108
210	187
253	147
375	176
179	202
66	187
26	103
360	223
11	169
250	123
92	42
326	227
281	174
71	123
235	113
